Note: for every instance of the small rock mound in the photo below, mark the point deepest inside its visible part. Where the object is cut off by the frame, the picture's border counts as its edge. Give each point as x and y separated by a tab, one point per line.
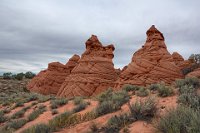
195	73
50	80
151	64
94	73
180	62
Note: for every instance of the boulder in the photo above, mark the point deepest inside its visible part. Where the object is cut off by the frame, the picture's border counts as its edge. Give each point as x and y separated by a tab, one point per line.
151	64
195	73
50	80
94	73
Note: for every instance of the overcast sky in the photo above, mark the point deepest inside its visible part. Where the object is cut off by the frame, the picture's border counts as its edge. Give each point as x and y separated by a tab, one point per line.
36	32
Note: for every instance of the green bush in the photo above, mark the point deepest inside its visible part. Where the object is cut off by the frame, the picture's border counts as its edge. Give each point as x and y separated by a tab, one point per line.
142	92
165	91
116	123
19	104
32	97
2	117
63	120
18	114
78	100
58	102
191	100
81	106
16	124
7	75
194	82
54	111
110	101
180	120
29	75
19	76
154	87
186	89
39	128
35	114
129	87
143	110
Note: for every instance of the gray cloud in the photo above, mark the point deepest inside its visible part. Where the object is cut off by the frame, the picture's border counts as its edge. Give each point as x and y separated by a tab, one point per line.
36	32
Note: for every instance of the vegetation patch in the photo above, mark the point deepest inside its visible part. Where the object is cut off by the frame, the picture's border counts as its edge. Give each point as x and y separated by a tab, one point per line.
194	82
39	128
164	91
143	110
142	92
36	113
58	102
110	101
81	106
180	120
129	87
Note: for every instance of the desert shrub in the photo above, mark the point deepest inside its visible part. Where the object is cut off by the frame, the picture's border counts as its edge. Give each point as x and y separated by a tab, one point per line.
116	123
29	75
110	101
189	99
19	104
34	103
42	98
35	114
186	89
180	120
94	128
58	102
142	92
16	124
154	87
18	114
39	128
2	117
19	76
63	120
105	96
194	82
41	106
143	110
164	91
81	106
7	75
54	111
89	116
129	87
6	111
78	100
32	97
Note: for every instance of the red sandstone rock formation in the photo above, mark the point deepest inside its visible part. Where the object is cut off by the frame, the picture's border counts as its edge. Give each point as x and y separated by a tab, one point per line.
180	62
195	73
151	64
94	73
50	80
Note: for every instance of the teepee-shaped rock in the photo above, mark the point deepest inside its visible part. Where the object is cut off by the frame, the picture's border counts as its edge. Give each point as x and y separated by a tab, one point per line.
50	80
150	64
94	73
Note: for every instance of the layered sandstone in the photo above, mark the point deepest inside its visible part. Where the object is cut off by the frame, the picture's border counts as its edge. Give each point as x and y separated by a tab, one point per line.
180	62
151	64
94	73
195	73
50	80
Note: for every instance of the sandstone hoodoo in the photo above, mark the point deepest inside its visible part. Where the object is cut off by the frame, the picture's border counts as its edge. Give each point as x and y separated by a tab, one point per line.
94	73
151	64
50	80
